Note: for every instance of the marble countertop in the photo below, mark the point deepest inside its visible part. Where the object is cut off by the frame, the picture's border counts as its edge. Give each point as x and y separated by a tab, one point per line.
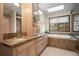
62	36
16	41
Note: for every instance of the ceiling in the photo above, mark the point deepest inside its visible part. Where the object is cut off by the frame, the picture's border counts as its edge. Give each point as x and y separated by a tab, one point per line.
67	6
9	7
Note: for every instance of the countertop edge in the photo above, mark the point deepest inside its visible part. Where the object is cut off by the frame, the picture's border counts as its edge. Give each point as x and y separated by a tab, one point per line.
26	41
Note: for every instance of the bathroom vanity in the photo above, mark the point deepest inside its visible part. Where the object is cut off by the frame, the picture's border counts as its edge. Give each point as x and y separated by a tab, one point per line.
25	46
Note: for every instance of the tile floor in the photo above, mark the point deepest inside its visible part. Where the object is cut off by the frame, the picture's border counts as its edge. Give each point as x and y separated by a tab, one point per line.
51	51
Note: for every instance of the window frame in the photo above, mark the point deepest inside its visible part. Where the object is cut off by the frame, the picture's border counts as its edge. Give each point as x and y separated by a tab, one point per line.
73	22
58	25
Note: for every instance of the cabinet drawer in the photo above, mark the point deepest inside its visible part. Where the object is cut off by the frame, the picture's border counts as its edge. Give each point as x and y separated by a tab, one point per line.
23	48
39	39
39	47
53	42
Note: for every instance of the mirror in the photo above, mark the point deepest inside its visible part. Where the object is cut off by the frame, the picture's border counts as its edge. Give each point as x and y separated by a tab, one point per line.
12	18
14	25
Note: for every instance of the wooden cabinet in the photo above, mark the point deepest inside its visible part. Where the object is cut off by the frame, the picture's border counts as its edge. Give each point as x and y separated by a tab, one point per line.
53	42
77	45
42	43
24	49
68	44
32	51
22	54
27	18
39	47
30	48
45	41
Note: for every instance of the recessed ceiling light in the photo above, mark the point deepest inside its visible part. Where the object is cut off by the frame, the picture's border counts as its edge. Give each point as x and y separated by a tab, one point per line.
16	4
38	12
61	7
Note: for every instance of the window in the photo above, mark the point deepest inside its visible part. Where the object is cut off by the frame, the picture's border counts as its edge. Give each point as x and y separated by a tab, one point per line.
59	24
76	23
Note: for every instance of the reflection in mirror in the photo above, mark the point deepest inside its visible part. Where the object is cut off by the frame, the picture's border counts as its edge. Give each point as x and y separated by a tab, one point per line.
12	18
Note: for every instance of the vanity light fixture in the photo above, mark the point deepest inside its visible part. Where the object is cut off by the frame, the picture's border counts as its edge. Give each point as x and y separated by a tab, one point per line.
61	7
16	4
38	12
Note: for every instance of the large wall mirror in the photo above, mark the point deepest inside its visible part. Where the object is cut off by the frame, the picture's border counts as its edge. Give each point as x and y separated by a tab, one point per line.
12	22
12	18
59	24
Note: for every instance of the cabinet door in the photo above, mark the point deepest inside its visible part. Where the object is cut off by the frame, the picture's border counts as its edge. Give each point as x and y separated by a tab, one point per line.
39	47
53	42
19	50
45	41
70	45
31	51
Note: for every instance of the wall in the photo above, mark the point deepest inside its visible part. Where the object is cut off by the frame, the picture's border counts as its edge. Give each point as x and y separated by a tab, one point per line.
42	23
62	13
1	21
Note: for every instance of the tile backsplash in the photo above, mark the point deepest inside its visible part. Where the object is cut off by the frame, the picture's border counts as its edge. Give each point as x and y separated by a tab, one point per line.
12	35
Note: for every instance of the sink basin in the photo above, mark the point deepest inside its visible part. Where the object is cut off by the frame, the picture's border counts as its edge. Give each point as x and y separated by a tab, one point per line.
15	40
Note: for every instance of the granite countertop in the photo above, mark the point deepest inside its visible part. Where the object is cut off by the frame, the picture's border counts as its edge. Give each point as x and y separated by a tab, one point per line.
61	36
17	41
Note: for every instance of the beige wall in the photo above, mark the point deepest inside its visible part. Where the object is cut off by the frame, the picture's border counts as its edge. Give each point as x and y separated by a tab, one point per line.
27	19
42	23
59	13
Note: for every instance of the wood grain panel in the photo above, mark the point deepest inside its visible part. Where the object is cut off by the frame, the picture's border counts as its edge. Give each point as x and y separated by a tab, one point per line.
1	21
62	43
27	18
30	48
24	48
